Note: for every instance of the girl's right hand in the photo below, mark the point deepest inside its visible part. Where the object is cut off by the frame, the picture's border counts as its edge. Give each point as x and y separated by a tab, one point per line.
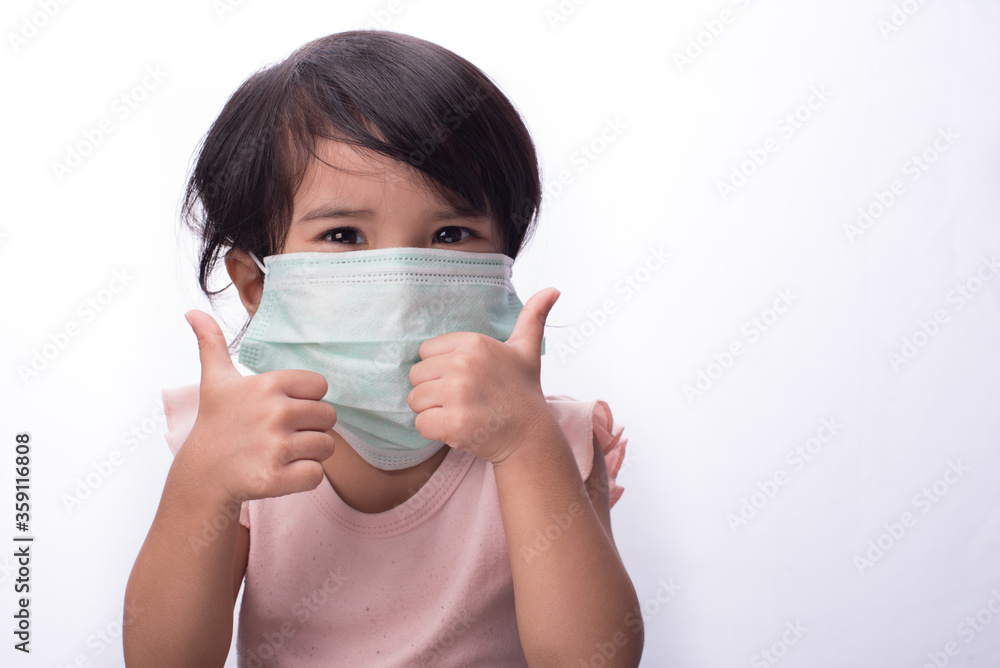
255	436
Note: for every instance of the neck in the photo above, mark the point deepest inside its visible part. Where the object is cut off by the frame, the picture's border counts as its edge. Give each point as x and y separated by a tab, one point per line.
368	489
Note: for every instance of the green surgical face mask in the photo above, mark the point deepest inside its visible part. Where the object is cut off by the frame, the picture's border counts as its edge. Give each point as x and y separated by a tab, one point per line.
359	317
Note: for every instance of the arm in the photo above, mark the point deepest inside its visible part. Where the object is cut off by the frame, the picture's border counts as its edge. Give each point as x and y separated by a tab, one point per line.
572	594
180	592
256	437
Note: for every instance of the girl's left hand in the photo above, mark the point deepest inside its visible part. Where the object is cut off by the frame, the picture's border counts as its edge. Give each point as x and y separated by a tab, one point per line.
481	395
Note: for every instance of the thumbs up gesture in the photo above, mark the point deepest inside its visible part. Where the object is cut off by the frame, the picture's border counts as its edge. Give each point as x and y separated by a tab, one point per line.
481	395
255	436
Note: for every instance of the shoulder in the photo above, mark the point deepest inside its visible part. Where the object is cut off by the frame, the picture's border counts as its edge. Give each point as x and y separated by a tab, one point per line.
590	428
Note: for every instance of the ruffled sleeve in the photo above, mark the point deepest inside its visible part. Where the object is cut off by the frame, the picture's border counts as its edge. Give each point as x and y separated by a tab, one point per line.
609	436
180	408
583	422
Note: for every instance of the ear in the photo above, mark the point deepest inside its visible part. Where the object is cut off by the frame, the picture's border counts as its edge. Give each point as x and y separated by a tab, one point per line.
246	277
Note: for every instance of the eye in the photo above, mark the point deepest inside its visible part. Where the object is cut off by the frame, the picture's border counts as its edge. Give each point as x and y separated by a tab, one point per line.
453	234
344	235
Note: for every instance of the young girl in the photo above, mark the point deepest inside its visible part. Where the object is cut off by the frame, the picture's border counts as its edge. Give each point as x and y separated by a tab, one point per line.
392	484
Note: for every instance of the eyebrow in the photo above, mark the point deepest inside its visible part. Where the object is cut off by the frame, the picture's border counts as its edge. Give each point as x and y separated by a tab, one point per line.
326	212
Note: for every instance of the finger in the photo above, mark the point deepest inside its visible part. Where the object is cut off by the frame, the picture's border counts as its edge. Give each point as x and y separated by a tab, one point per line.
312	415
442	343
431	424
427	395
300	475
299	383
431	368
216	364
311	445
530	325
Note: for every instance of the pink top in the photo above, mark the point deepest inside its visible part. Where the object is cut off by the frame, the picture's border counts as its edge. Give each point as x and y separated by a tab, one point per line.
427	582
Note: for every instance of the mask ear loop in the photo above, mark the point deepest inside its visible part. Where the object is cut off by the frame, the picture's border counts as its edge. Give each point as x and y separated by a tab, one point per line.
259	263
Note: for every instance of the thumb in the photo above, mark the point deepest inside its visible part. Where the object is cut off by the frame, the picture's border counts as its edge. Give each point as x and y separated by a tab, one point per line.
530	326
212	348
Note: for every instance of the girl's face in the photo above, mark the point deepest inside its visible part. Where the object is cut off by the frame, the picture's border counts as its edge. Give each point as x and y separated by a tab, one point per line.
368	201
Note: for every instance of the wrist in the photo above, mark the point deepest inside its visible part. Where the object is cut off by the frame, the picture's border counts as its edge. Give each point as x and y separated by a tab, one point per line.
532	441
200	480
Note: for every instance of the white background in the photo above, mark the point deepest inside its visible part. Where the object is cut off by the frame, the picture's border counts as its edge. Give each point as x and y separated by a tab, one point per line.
683	129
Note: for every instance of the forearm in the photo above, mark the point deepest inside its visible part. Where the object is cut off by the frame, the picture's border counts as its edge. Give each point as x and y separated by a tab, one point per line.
179	598
571	591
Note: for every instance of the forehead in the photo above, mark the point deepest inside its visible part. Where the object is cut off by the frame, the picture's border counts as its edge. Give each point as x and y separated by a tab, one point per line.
361	182
341	168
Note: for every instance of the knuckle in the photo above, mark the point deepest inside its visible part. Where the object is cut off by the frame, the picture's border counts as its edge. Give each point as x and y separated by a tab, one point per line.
285	449
478	342
466	387
281	413
268	382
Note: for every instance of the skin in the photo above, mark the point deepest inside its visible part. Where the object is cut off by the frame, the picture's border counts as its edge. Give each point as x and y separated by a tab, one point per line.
463	382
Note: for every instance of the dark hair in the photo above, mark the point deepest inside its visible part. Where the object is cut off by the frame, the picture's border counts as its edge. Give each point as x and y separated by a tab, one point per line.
396	94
